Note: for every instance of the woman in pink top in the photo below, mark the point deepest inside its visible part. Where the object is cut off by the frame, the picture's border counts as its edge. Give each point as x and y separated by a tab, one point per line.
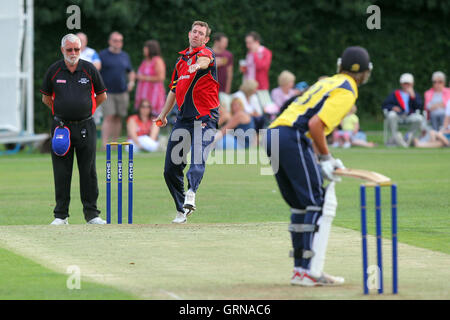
151	75
436	99
285	89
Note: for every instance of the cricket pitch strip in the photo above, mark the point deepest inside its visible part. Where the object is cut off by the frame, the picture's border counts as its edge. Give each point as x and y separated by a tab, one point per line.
219	261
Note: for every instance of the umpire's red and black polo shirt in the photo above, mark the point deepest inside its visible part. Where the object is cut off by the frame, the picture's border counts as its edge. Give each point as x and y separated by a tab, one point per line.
197	93
73	93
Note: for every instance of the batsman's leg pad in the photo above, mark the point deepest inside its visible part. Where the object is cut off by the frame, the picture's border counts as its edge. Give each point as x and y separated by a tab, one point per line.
299	253
320	241
302	228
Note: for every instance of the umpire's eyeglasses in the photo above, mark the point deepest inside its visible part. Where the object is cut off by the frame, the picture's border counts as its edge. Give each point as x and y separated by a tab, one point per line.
73	49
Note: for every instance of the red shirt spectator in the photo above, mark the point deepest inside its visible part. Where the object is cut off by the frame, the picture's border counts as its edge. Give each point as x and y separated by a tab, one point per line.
257	61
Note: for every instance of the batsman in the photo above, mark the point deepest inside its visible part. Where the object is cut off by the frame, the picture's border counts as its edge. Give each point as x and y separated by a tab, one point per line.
303	161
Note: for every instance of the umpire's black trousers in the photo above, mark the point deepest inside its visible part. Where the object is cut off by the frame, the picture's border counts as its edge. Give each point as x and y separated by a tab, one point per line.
83	136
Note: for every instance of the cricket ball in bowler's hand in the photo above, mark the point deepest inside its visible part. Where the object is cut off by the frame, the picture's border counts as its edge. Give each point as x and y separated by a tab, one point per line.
159	123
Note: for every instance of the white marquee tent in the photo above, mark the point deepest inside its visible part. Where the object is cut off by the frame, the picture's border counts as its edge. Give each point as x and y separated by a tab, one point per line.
16	73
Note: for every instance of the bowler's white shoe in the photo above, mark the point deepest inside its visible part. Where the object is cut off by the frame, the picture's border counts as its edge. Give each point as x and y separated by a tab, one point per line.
189	202
301	278
59	222
180	218
96	220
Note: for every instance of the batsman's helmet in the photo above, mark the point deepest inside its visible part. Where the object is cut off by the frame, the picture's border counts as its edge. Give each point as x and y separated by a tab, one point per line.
355	59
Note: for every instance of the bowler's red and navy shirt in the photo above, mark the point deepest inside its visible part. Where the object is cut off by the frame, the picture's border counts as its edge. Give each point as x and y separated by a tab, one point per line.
73	93
197	94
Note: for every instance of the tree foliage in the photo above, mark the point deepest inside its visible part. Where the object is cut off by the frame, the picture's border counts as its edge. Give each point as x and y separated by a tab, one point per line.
305	37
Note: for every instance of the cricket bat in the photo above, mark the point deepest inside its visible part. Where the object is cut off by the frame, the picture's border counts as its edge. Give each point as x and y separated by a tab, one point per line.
369	176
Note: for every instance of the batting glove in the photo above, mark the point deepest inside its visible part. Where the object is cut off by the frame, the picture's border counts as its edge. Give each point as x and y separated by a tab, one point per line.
327	166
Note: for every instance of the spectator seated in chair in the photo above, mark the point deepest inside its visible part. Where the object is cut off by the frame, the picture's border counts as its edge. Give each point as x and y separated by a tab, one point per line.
436	98
403	105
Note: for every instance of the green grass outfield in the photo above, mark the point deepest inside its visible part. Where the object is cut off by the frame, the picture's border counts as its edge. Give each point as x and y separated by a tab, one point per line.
230	195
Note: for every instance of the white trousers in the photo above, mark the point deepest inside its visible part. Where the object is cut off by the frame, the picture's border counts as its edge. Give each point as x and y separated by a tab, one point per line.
147	144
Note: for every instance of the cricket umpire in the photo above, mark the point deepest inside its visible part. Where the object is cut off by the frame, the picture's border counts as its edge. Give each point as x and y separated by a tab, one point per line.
195	89
72	88
298	132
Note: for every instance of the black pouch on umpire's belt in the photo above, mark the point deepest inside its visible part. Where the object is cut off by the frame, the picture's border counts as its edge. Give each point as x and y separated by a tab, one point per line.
61	140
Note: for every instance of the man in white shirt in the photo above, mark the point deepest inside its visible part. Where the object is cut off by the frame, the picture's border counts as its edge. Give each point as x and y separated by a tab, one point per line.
87	53
92	56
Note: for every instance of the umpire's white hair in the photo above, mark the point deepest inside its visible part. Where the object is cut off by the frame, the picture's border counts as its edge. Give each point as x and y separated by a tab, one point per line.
71	38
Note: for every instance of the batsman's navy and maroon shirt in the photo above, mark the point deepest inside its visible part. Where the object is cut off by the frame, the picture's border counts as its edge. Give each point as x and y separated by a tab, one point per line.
73	93
197	94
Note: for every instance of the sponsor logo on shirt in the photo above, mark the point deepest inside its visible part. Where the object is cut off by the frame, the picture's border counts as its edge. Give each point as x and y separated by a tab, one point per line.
184	77
60	81
83	80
